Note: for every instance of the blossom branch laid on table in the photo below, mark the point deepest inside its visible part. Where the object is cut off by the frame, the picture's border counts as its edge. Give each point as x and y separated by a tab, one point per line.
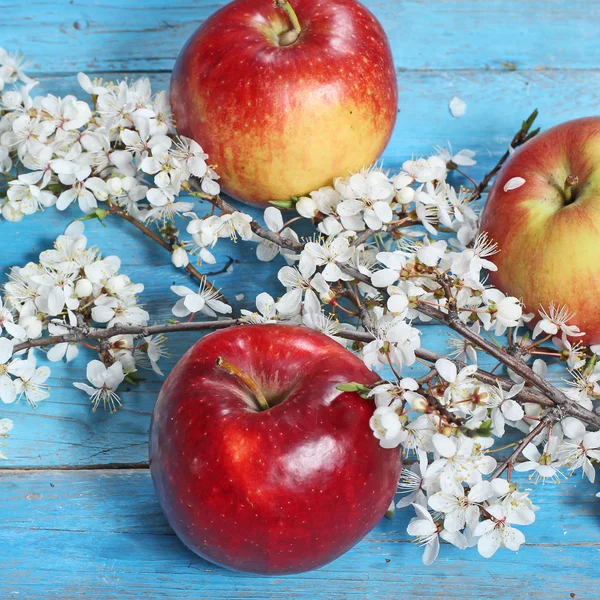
386	253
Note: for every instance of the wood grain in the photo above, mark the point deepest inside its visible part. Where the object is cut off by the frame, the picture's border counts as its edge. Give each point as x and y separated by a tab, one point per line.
102	533
99	533
129	35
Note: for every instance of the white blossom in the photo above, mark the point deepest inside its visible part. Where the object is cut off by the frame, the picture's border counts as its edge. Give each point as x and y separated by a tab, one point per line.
31	379
423	170
104	383
555	320
205	300
328	253
576	453
544	465
428	534
266	311
388	427
497	531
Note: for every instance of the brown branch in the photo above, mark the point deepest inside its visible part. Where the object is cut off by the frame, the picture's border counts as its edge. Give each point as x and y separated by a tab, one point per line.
520	367
93	333
271	236
545	421
115	210
365	317
427	377
362	237
442	411
277	239
79	334
523	397
523	135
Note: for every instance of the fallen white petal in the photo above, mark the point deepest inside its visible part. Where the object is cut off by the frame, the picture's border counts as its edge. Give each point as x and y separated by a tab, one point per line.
458	107
513	184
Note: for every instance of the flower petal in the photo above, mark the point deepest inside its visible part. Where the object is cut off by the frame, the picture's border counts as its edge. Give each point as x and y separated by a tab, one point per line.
446	369
273	219
443	445
489	543
513	184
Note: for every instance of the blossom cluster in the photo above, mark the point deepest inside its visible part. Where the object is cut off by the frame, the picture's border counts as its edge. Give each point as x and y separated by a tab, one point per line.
70	288
389	252
120	151
439	260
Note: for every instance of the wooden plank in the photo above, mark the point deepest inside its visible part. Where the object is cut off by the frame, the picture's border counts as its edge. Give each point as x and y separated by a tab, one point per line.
63	430
132	35
100	534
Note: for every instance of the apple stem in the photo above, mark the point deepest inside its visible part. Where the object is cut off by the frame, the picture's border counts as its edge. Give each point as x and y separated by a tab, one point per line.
570	188
289	37
223	363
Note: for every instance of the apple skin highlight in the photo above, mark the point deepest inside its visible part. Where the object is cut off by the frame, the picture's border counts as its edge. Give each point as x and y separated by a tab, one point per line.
274	491
549	244
280	121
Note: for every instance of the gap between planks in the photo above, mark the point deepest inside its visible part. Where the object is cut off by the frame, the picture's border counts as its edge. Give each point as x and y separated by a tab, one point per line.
94	467
399	71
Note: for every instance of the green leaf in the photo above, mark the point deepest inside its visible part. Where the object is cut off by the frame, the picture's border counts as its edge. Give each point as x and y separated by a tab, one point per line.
283	204
484	430
351	387
532	117
589	368
133	378
99	214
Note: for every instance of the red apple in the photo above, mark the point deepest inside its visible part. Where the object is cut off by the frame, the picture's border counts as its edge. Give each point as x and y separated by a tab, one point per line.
277	118
273	491
548	229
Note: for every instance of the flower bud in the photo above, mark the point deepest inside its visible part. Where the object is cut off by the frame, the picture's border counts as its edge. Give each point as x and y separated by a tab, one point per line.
405	195
329	297
115	186
83	288
115	284
180	257
11	214
307	207
416	401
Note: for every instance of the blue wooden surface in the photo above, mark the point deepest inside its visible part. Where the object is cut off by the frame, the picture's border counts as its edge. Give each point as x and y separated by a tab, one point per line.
73	520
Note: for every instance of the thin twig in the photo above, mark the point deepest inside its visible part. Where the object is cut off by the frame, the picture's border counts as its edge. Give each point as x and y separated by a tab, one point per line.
544	422
523	397
271	236
523	135
427	377
80	334
518	366
115	210
93	333
362	237
438	407
362	309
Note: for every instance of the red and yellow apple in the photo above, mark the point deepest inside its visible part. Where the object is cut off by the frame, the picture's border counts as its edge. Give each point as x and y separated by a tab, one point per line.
548	228
282	114
280	489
